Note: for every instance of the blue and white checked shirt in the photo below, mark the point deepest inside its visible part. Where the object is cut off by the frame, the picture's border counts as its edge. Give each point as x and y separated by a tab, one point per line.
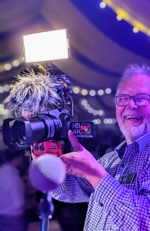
121	201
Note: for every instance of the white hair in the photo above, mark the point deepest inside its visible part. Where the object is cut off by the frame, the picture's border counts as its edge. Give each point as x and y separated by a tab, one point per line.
132	70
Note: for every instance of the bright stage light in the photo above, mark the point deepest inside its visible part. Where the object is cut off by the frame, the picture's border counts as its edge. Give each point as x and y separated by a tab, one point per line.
46	46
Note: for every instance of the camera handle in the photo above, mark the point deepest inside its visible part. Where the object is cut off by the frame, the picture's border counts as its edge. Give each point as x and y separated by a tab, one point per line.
46	209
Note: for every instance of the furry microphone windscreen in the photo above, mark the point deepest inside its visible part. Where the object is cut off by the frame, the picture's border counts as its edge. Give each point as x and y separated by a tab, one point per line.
31	92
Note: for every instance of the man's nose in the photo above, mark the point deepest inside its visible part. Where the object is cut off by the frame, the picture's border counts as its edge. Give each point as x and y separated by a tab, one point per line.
132	103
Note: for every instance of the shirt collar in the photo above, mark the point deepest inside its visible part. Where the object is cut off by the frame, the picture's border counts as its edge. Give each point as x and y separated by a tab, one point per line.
140	143
143	140
121	148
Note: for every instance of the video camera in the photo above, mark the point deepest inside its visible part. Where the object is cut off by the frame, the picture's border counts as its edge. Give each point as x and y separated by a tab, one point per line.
48	131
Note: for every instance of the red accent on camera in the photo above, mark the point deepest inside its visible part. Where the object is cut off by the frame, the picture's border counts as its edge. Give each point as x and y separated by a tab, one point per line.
48	147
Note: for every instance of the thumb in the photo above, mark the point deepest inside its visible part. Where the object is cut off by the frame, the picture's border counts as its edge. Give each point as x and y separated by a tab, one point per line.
74	142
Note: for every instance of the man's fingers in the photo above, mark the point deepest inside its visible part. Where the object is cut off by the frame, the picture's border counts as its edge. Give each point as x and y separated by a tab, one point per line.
68	159
74	142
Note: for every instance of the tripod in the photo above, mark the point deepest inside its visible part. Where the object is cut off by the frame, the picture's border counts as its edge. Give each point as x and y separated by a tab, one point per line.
46	209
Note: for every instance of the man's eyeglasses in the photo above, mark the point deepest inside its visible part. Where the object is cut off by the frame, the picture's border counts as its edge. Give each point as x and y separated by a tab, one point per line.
139	100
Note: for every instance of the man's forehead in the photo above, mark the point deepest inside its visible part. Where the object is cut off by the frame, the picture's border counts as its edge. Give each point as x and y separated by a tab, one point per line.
139	83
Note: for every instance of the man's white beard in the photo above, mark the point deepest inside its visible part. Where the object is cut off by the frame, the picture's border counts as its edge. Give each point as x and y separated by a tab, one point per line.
132	132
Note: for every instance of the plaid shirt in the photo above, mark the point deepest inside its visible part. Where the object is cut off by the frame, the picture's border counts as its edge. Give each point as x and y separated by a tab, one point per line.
121	201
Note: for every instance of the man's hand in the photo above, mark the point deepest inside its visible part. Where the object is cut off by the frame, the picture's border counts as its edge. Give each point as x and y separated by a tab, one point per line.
81	162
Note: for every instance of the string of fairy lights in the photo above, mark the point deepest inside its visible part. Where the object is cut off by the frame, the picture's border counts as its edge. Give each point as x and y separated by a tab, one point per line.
121	14
86	105
9	65
99	113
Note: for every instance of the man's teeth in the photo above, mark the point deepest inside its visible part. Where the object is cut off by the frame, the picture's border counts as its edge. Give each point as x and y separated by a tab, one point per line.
132	117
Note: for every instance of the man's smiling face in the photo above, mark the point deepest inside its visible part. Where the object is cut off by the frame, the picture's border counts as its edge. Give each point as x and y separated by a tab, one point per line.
133	120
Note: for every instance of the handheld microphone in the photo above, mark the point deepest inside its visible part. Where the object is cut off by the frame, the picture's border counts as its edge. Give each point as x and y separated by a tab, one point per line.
47	173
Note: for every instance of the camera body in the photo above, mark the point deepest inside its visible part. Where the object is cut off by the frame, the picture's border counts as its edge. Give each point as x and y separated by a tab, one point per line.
47	132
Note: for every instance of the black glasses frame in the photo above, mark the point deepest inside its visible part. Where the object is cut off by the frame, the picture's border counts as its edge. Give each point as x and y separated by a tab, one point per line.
131	97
